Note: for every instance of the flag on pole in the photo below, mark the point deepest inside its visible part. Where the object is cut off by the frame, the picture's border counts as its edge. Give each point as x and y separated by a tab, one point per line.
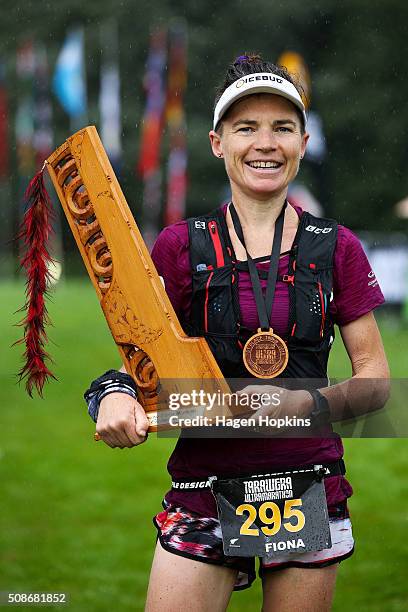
109	95
149	157
152	126
69	77
4	143
43	143
177	162
295	64
24	118
43	138
7	211
23	129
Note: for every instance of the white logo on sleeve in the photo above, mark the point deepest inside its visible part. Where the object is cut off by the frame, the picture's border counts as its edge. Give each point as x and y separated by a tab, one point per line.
372	281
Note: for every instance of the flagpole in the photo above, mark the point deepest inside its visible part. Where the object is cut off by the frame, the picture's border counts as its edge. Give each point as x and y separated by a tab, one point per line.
109	94
44	146
24	129
175	209
148	165
6	228
69	81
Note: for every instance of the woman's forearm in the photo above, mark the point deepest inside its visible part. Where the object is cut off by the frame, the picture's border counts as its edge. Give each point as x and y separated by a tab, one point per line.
363	393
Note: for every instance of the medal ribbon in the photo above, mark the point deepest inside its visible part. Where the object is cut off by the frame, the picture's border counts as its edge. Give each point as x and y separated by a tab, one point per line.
263	305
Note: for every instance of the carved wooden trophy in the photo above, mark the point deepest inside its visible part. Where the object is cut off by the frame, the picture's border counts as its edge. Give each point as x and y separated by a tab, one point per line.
140	316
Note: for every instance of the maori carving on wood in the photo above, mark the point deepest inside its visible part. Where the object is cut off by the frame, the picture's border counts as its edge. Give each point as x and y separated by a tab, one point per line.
87	225
128	329
131	332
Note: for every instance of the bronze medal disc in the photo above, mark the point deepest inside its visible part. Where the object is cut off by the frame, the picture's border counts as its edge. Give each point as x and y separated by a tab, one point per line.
265	354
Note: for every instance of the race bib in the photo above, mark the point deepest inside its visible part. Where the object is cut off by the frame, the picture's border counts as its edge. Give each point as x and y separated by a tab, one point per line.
268	515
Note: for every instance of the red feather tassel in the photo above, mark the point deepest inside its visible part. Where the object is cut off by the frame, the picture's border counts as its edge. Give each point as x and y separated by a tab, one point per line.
34	232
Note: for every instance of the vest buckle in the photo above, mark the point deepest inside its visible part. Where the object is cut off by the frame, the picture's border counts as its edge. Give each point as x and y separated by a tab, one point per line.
287	278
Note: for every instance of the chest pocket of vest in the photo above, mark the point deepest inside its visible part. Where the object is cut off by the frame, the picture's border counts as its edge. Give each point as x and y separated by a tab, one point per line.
312	302
212	299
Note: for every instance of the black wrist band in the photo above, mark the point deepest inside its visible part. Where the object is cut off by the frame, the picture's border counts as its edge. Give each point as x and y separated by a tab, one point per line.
320	414
111	377
112	381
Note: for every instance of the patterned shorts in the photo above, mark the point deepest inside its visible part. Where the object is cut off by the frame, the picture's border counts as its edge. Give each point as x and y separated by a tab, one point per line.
191	535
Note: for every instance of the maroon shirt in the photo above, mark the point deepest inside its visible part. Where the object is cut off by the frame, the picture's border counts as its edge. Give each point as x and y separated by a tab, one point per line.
354	294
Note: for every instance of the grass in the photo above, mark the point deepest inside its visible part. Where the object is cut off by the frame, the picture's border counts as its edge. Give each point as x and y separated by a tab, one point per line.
76	516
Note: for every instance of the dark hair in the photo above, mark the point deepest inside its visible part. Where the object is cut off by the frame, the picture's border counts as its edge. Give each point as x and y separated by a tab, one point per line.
250	63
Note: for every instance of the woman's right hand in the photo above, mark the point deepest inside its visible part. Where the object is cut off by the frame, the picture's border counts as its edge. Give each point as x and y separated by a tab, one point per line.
122	421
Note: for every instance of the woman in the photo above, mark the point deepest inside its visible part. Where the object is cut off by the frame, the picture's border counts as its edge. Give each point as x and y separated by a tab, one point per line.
210	266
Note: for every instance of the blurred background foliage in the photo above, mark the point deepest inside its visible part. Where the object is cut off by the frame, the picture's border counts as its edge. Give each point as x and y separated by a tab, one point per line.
355	51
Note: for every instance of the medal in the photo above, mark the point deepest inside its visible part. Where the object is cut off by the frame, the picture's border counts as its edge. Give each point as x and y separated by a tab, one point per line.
265	354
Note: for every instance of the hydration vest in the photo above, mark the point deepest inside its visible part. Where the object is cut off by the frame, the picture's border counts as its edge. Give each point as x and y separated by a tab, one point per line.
215	312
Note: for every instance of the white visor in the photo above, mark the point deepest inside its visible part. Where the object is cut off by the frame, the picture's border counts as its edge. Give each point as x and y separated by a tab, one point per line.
259	82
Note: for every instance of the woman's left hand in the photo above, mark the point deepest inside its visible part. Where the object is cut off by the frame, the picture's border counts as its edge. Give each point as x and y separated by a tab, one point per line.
276	402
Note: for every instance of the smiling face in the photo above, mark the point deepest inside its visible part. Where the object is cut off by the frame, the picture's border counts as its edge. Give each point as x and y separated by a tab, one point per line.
261	142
